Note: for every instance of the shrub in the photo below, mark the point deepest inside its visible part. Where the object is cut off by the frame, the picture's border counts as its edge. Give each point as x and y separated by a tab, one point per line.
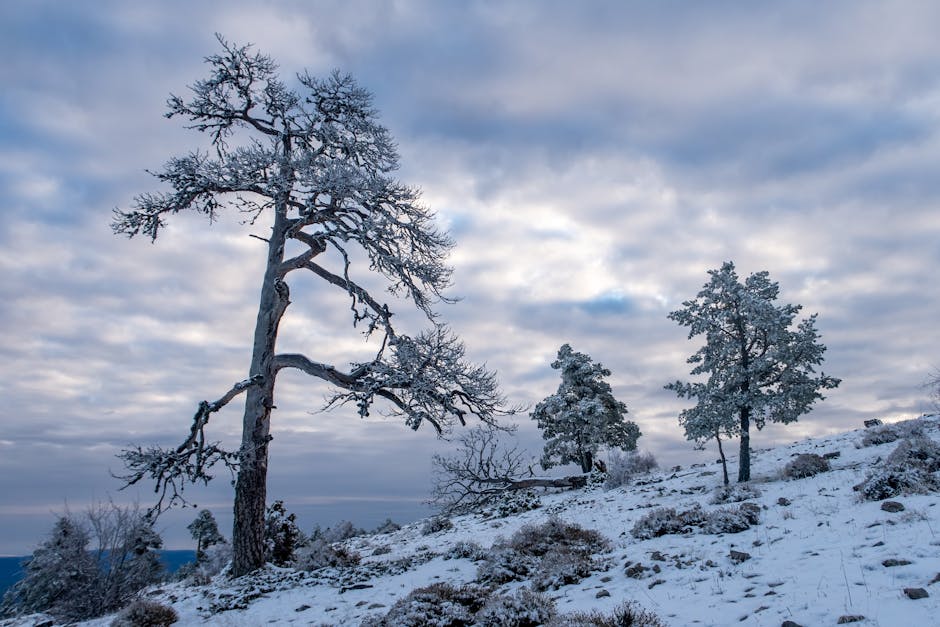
213	561
345	530
388	526
888	482
465	550
805	465
878	436
909	469
622	467
917	451
627	615
666	520
437	605
524	608
734	493
319	553
553	554
436	524
516	502
145	613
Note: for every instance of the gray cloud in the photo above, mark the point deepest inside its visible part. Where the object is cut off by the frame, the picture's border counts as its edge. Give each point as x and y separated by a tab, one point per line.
592	160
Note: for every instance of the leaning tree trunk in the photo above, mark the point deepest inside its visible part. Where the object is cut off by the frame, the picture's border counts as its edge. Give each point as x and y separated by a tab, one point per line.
744	458
251	485
724	461
587	461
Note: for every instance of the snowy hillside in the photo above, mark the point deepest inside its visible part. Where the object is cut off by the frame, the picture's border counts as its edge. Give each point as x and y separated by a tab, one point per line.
819	555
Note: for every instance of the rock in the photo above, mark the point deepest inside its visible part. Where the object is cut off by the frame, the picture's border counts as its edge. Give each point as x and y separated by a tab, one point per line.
601	594
376	606
676	468
656	583
659	557
783	501
636	571
874	422
302	608
850	618
892	506
891	562
916	593
739	556
790	623
832	455
935	579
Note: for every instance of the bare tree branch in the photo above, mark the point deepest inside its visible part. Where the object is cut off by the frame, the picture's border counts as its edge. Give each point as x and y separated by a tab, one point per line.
172	469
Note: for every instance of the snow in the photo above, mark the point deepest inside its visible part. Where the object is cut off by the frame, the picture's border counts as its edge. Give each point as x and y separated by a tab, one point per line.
812	561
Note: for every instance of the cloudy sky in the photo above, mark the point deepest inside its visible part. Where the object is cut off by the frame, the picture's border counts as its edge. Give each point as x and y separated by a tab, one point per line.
592	160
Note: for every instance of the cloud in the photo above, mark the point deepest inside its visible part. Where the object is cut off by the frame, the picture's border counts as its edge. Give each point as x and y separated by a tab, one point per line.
593	162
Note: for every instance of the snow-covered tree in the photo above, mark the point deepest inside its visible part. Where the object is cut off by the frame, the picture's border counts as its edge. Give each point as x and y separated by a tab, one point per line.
89	566
759	367
311	161
583	415
60	578
282	536
205	531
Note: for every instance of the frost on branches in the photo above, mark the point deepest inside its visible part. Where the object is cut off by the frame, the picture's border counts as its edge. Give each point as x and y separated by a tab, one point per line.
759	367
309	160
583	415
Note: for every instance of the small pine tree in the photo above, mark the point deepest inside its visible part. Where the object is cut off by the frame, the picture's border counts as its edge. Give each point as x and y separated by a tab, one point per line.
281	533
582	415
61	576
758	368
205	532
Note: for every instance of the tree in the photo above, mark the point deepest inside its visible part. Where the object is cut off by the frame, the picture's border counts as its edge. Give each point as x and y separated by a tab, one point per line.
205	532
61	576
582	415
70	580
759	368
483	469
313	161
282	536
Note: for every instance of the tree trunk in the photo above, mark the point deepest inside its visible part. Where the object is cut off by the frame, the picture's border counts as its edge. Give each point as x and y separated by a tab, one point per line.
744	458
724	461
587	461
251	485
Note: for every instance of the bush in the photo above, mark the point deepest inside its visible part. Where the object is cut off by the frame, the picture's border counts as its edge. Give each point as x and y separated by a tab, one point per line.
805	465
319	553
436	524
465	550
734	493
214	560
552	554
388	526
524	608
145	613
916	451
345	530
909	469
516	502
666	520
878	436
437	605
622	467
627	615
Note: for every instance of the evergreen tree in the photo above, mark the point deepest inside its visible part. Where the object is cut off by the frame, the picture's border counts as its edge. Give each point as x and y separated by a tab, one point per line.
60	578
205	532
281	534
759	368
583	415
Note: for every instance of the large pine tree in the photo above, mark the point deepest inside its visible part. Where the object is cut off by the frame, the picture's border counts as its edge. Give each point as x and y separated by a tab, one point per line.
759	367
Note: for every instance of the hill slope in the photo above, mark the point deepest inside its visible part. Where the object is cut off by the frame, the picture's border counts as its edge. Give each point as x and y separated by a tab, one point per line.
817	554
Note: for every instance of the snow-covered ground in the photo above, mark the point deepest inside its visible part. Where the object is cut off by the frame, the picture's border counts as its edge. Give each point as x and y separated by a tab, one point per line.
820	557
